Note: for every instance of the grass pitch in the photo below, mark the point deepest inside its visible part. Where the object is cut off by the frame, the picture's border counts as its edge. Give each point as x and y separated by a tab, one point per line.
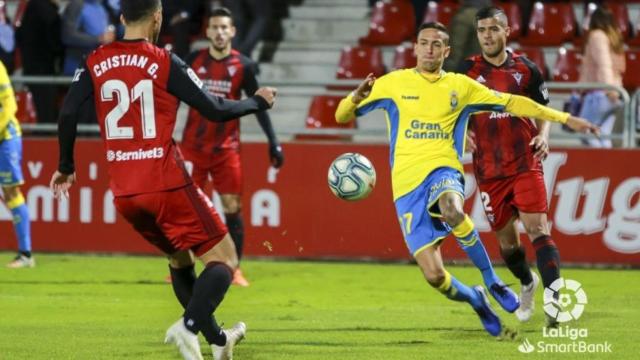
116	307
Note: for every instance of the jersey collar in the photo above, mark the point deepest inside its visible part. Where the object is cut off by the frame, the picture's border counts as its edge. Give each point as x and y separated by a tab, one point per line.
430	77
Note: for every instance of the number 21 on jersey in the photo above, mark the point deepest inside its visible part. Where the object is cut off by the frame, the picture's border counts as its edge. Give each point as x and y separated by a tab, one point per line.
143	90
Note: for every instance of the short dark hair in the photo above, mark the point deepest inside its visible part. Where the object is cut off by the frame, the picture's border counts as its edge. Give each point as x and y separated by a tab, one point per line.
434	25
136	10
489	12
221	11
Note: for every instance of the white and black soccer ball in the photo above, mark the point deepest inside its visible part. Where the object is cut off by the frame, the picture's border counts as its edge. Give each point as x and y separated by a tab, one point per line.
351	176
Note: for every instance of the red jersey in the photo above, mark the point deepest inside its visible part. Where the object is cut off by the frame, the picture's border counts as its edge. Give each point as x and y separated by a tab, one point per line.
133	88
227	78
502	139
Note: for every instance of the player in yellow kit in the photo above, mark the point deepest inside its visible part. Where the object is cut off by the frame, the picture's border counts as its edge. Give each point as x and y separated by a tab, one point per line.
427	111
11	172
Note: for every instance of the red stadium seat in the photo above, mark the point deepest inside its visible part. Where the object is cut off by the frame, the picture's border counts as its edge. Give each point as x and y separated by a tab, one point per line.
567	67
631	78
515	19
404	57
356	62
441	12
537	56
392	22
550	25
26	109
322	116
635	40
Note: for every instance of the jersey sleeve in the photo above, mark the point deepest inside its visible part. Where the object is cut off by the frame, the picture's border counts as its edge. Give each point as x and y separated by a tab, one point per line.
8	106
478	94
249	87
537	88
465	66
184	84
379	92
78	103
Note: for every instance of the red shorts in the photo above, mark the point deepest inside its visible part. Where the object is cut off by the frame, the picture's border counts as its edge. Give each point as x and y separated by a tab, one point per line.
179	219
224	168
503	198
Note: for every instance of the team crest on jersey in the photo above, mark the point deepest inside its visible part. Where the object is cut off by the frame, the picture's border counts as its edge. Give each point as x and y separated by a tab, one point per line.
518	77
454	100
481	79
232	70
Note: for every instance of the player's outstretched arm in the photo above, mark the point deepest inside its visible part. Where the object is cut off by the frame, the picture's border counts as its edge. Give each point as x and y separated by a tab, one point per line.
346	110
77	103
186	86
523	106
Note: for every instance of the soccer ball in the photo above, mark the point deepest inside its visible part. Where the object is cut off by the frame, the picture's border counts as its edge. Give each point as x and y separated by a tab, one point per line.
351	177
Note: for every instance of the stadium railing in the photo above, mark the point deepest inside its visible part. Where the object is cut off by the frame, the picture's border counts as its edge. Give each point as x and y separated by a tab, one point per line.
628	136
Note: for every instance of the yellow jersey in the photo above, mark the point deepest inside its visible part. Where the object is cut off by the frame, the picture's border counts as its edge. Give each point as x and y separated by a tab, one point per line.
427	120
9	126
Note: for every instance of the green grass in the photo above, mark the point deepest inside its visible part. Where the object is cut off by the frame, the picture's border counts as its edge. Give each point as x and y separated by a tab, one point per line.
99	307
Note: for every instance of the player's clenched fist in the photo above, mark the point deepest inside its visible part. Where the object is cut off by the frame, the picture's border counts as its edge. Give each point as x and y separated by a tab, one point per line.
268	93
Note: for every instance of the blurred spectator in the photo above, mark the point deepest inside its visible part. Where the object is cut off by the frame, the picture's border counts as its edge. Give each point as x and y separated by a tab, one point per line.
251	18
419	8
178	16
113	9
462	30
603	62
38	38
85	26
7	40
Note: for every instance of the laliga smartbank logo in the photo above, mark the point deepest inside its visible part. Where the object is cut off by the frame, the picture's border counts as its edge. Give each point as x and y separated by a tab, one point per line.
564	301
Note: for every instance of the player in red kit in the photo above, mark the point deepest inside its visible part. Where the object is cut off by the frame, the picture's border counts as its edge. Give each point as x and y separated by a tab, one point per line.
507	158
134	88
214	148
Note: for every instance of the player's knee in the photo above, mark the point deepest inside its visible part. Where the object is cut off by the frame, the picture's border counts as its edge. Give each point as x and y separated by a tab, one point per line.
435	277
536	229
452	215
181	259
231	205
10	192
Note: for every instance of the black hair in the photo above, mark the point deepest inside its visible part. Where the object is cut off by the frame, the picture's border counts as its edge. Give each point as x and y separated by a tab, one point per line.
489	12
136	10
221	11
434	25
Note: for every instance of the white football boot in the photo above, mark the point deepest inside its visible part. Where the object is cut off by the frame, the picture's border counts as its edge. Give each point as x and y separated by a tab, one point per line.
234	336
185	340
527	299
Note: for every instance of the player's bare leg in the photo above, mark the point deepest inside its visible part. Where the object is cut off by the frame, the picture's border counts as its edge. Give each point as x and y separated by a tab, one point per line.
14	200
231	204
430	262
450	204
514	255
547	255
208	291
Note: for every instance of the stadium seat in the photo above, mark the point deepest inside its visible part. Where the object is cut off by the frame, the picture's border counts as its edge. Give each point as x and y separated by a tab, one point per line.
442	12
404	58
550	25
515	19
567	67
537	56
26	109
392	22
631	78
322	116
356	62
